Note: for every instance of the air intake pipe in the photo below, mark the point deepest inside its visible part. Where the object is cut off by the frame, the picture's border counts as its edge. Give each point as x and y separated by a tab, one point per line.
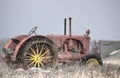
70	26
65	23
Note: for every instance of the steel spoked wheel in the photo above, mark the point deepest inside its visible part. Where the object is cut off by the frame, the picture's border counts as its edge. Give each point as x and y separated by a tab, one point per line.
40	54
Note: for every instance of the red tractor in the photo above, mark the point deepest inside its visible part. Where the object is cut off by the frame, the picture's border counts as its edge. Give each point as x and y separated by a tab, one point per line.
34	50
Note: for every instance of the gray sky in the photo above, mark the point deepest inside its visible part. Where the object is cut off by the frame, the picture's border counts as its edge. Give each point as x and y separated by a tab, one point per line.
102	17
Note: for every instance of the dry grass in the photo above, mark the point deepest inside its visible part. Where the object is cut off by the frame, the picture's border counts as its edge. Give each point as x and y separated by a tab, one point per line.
108	70
76	71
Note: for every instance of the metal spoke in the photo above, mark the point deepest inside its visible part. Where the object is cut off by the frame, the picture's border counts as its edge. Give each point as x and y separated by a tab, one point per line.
42	49
28	59
45	52
32	58
31	63
28	54
42	64
47	57
44	61
37	48
35	64
32	50
38	64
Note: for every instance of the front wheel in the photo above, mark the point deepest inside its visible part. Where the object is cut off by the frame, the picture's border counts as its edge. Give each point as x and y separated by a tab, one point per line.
91	60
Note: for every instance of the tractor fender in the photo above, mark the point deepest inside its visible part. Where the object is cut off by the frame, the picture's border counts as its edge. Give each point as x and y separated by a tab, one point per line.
22	43
19	46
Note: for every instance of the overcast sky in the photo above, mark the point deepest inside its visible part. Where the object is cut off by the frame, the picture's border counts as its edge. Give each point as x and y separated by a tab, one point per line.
102	17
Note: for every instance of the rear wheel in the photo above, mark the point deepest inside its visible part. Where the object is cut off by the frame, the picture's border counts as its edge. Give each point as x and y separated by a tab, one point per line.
40	54
91	60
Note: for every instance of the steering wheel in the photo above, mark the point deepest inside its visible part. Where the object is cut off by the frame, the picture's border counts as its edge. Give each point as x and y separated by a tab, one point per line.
32	30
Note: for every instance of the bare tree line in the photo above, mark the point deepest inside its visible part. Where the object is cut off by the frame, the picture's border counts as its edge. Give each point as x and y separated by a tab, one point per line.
96	48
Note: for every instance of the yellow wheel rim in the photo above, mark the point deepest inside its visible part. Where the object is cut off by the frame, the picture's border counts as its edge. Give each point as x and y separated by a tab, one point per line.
39	55
92	61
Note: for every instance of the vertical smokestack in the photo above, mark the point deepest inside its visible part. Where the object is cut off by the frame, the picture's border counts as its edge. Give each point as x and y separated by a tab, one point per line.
70	28
65	26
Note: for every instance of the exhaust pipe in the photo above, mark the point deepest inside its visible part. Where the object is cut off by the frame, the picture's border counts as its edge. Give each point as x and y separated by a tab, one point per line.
65	26
70	28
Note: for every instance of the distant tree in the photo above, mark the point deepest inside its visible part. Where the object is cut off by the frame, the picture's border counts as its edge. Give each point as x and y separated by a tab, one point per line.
95	48
2	43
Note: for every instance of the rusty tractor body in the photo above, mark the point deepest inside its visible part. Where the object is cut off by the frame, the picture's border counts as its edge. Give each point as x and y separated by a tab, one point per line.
34	50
